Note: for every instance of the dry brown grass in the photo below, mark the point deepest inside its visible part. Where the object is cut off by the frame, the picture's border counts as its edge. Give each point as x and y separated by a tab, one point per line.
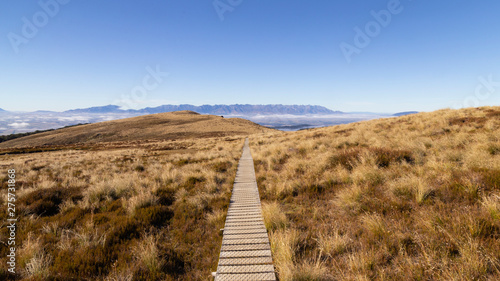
117	213
274	217
147	252
408	198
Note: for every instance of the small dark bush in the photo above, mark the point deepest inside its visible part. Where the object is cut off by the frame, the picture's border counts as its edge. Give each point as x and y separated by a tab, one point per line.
494	149
44	208
166	196
139	168
346	159
45	202
222	167
219	180
124	230
192	181
384	157
345	132
154	215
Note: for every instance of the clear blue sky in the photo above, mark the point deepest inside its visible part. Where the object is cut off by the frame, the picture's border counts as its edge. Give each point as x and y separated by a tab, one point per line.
429	55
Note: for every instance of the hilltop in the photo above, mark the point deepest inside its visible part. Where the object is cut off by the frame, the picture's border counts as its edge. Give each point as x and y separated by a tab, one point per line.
161	126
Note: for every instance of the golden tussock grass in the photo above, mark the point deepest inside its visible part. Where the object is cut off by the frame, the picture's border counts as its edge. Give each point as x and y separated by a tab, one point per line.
122	213
408	198
273	215
283	244
146	251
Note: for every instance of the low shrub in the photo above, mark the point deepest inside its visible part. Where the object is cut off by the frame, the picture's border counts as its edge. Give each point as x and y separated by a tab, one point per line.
222	166
346	159
384	157
166	196
192	181
156	216
139	168
45	202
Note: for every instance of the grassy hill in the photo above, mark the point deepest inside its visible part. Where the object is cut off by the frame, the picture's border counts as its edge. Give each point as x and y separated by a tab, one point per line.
151	212
161	126
408	198
415	197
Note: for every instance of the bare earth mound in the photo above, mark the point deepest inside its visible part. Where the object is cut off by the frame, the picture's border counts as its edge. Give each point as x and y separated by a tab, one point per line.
162	126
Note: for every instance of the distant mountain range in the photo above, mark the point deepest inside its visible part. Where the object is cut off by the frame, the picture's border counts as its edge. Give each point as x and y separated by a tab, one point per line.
218	109
283	117
222	109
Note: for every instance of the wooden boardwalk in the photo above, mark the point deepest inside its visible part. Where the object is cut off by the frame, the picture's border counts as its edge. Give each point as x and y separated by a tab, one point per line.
245	253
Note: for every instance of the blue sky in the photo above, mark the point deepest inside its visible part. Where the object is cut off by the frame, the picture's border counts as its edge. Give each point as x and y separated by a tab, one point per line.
419	55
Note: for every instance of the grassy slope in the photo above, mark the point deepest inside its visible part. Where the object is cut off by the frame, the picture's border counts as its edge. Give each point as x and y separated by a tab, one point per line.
171	125
148	213
409	198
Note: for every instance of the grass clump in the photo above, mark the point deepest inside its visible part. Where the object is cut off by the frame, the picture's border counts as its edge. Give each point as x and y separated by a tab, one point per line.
147	253
283	246
274	217
492	205
333	244
38	266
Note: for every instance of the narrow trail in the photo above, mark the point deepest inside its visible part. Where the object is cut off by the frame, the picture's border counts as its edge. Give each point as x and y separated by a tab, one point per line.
245	253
